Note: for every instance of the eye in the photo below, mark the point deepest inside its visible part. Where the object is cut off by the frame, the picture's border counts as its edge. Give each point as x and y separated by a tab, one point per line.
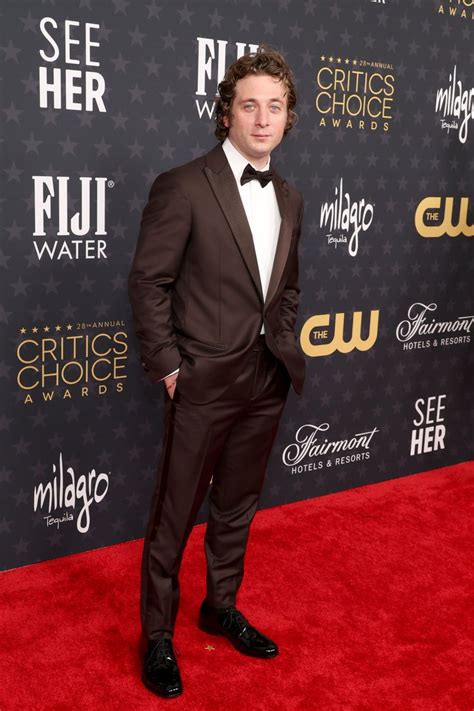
248	106
275	107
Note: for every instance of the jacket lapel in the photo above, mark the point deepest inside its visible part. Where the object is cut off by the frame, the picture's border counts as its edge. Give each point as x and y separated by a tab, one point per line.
221	178
223	184
284	236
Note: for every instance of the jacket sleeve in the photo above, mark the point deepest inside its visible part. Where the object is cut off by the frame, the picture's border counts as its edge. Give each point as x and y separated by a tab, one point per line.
164	233
290	296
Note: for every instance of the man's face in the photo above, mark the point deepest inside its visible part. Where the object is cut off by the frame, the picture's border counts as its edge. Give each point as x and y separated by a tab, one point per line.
258	116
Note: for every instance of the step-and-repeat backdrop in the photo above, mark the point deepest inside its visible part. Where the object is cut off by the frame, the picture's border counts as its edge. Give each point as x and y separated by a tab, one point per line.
98	97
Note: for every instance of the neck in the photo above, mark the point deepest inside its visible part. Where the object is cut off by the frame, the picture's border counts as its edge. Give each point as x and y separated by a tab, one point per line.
258	162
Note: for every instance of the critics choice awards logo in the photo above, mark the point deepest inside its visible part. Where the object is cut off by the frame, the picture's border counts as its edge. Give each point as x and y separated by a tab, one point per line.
71	360
211	65
67	495
312	449
457	8
354	93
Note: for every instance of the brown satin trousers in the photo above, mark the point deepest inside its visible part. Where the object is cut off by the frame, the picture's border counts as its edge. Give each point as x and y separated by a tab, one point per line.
229	441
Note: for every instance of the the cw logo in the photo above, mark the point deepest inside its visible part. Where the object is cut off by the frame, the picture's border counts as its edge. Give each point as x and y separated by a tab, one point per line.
338	343
428	211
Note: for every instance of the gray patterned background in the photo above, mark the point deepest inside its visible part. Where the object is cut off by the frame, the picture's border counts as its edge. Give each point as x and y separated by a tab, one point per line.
148	54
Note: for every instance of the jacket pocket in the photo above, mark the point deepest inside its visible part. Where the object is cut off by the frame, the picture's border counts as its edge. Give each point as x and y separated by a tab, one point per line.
198	346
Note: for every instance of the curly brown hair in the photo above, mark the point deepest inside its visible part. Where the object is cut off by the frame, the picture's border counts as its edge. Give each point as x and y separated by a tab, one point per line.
264	61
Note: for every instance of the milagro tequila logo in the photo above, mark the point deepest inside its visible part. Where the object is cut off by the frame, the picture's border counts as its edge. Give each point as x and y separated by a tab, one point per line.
66	491
345	219
311	444
456	106
212	64
419	323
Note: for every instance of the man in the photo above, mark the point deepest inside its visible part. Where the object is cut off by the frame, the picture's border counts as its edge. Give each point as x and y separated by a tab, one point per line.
214	292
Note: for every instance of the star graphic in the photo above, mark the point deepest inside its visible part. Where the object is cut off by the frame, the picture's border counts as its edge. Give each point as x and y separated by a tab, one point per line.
32	144
136	94
137	37
152	123
154	10
102	147
153	68
169	40
216	19
11	52
12	113
186	14
120	64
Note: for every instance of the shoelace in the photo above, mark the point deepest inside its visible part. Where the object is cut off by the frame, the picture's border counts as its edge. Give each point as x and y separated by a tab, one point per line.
243	624
162	652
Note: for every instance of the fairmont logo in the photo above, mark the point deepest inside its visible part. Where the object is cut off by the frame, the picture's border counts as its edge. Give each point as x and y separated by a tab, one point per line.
419	324
309	444
346	217
457	104
66	491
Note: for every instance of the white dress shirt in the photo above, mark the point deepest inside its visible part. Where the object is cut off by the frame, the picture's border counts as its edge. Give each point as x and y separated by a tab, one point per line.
263	215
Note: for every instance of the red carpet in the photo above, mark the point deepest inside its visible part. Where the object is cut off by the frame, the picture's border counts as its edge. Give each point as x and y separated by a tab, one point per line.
368	592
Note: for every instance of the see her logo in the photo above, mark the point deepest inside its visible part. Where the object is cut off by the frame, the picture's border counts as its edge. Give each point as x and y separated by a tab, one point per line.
430	433
82	90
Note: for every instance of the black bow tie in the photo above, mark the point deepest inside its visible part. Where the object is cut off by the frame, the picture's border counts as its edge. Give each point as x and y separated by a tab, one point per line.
263	176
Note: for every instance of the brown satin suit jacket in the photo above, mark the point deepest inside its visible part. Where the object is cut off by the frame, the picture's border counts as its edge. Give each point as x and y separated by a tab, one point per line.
195	287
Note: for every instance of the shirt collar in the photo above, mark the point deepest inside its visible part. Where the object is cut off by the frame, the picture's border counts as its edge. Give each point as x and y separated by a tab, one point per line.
237	161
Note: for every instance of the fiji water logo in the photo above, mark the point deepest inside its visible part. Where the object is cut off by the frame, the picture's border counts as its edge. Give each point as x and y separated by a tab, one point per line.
68	491
212	60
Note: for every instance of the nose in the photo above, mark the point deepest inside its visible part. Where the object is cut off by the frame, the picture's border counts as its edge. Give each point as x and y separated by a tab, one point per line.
261	118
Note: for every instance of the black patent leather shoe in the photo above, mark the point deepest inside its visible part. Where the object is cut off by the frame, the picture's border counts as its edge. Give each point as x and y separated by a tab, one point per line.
231	624
160	669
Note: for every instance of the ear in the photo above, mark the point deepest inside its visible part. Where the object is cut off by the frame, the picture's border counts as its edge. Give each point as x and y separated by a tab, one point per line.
225	121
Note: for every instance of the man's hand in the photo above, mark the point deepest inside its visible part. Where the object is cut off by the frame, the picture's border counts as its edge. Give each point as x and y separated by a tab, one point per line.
170	384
